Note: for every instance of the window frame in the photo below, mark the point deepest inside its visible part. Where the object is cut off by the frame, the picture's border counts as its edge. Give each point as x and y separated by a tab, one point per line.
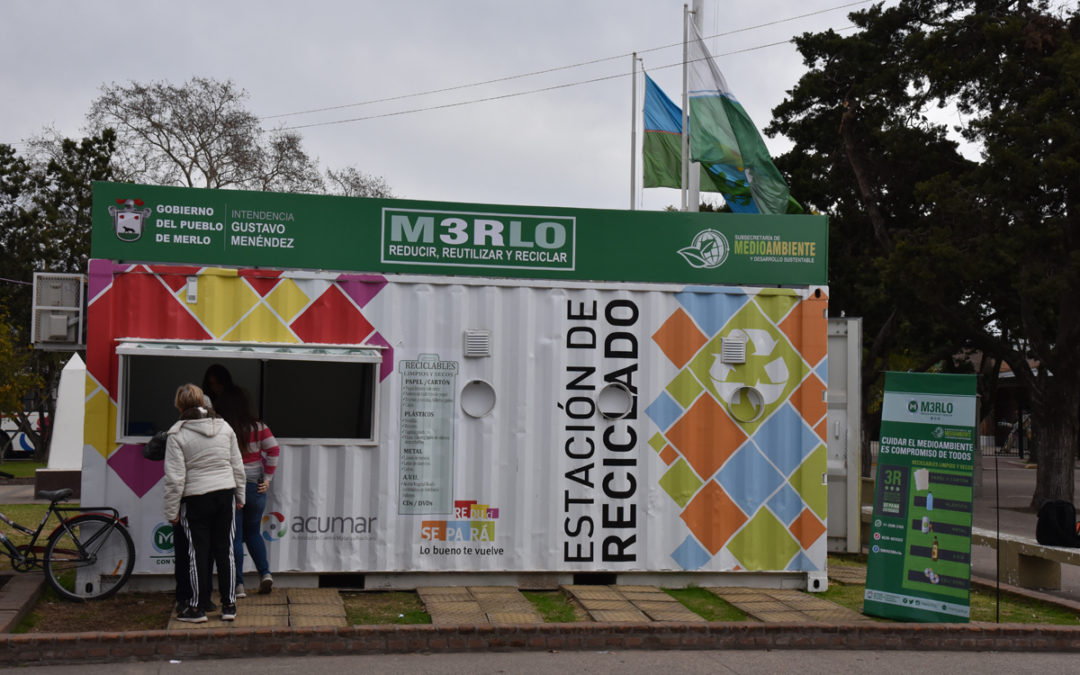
263	351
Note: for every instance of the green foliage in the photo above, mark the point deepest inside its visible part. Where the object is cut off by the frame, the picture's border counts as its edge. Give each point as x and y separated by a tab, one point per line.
44	226
937	252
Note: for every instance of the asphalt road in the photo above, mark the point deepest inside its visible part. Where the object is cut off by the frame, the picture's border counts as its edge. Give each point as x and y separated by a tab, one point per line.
763	662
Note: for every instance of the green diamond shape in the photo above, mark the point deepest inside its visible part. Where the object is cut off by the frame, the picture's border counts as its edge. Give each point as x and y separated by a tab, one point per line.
658	442
680	482
771	353
684	388
764	543
777	302
807	481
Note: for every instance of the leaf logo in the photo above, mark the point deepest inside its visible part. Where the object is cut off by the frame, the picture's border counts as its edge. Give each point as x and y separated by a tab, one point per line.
708	250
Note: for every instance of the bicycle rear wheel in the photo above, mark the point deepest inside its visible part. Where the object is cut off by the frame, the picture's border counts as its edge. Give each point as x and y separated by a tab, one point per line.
89	557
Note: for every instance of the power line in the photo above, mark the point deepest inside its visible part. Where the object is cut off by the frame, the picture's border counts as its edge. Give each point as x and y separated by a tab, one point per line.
554	69
521	93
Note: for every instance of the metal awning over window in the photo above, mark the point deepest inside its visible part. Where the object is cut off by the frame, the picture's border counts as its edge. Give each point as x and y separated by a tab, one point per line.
242	350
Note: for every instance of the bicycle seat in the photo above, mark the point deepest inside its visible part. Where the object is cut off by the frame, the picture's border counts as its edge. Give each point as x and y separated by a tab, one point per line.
56	495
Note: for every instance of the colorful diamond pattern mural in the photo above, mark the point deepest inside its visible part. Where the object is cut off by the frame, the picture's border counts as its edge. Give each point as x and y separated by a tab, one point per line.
748	471
228	305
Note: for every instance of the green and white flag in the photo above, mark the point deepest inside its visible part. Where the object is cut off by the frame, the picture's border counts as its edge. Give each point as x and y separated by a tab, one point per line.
721	133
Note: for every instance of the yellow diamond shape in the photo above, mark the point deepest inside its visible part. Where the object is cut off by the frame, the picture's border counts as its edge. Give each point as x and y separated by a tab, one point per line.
776	302
99	426
684	388
261	325
657	442
287	299
680	482
220	301
808	480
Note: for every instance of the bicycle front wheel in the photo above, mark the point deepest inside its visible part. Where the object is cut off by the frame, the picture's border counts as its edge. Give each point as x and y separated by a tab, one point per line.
89	557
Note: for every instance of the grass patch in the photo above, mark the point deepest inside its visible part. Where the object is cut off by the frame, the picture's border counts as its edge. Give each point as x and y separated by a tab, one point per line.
27	515
122	612
554	606
21	468
706	605
1014	608
384	607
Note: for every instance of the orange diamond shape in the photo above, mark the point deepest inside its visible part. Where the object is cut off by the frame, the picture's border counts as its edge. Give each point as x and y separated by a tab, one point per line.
807	528
809	400
706	436
679	338
807	328
669	455
713	517
823	429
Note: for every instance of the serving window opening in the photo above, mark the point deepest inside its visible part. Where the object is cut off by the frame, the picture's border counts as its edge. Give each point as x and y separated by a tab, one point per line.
314	394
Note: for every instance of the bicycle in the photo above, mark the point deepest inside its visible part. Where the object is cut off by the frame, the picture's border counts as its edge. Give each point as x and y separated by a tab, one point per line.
88	556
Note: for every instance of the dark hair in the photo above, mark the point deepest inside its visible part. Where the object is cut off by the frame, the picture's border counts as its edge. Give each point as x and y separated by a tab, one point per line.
233	406
220	374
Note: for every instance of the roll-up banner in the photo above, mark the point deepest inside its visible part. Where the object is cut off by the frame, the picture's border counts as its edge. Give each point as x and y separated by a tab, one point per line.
919	567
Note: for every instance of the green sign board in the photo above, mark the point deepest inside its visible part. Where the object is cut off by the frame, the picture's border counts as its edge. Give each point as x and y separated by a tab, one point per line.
919	567
142	223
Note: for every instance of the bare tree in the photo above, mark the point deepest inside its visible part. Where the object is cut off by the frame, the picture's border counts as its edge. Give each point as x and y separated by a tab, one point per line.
351	182
199	134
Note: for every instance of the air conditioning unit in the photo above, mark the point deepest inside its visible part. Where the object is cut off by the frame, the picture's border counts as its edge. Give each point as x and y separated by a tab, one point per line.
59	313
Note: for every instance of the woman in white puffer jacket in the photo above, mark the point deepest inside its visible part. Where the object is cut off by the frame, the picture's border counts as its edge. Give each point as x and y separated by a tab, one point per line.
204	484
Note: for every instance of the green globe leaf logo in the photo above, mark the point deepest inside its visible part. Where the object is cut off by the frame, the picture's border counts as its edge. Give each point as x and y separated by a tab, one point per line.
708	250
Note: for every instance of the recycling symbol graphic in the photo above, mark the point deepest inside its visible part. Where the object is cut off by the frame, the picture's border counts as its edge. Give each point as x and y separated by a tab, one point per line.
752	389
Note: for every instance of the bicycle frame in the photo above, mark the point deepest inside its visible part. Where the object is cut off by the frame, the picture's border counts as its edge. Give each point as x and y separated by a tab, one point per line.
19	556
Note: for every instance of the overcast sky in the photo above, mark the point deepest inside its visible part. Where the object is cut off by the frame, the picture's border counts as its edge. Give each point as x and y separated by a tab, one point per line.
567	146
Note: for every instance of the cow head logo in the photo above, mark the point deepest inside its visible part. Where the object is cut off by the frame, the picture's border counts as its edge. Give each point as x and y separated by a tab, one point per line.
128	222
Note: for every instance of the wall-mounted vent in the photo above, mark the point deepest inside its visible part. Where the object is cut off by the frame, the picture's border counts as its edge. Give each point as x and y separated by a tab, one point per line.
732	350
477	343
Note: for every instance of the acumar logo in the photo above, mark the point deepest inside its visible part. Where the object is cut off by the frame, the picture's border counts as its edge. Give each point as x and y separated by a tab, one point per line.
273	526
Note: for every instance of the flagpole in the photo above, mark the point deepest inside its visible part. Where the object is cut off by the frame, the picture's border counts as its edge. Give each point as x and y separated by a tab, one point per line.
685	108
693	169
633	130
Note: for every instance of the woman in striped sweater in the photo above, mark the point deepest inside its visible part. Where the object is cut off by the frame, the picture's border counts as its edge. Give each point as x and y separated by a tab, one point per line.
259	450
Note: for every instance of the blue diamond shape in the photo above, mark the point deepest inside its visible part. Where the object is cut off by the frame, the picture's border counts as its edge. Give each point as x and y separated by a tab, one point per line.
690	555
822	371
748	478
711	309
786	504
786	440
664	411
800	563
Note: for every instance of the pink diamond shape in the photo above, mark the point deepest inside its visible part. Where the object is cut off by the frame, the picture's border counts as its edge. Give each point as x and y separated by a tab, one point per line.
137	472
361	287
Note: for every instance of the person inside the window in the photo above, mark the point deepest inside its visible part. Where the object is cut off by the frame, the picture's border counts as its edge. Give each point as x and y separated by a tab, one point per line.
260	451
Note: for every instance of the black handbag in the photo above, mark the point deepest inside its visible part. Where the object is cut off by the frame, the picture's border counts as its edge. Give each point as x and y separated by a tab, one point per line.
154	450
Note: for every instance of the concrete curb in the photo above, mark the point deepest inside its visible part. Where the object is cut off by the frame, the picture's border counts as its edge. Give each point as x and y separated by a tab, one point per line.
17	598
72	648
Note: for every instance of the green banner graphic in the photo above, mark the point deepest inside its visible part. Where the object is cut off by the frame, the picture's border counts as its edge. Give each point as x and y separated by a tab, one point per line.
919	567
236	228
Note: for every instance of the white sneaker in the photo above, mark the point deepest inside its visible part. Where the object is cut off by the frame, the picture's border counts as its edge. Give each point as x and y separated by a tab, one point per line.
266	584
240	591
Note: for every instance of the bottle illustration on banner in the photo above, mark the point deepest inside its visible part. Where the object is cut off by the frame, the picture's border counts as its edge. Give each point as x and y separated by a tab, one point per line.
934	550
929	501
926	524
